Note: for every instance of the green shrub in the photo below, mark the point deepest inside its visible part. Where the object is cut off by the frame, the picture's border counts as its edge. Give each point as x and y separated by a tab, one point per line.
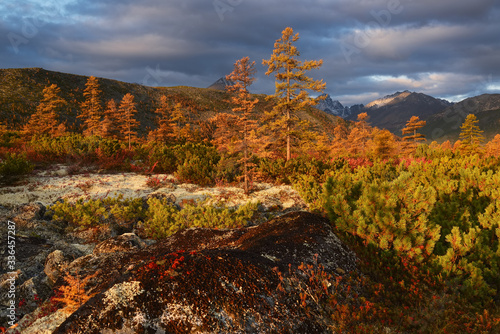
196	170
199	164
9	138
287	172
228	170
14	165
311	191
162	157
164	219
186	160
89	213
160	222
443	213
85	213
272	170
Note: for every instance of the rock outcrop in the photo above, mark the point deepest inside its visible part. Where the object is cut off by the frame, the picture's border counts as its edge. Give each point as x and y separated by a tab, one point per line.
198	280
206	281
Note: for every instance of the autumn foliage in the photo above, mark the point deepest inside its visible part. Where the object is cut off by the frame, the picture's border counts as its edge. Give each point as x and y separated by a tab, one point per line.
91	107
422	218
46	119
74	294
292	86
236	132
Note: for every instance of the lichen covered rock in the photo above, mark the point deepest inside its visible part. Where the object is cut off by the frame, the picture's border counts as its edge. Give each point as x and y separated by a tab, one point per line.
209	281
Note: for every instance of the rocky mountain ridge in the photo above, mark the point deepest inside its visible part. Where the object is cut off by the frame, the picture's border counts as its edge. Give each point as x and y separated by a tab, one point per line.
393	111
334	107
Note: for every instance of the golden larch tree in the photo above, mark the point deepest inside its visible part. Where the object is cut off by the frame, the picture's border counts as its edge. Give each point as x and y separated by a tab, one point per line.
383	144
492	148
234	132
110	124
164	132
359	136
128	123
446	146
471	135
91	107
181	129
341	130
340	134
45	121
292	85
411	137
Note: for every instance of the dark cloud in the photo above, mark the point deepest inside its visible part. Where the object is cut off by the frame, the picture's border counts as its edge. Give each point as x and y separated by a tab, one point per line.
446	48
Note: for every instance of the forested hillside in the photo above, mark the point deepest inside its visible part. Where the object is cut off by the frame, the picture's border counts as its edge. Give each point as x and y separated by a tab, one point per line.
21	90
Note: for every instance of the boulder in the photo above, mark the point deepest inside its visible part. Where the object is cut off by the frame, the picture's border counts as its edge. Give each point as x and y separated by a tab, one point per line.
54	265
26	213
123	243
211	281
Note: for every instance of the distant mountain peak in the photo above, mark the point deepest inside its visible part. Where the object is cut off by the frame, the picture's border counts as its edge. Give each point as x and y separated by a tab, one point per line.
388	99
393	111
221	84
333	107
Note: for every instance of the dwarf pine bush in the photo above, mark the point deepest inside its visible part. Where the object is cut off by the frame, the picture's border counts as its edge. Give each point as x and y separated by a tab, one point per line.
89	213
443	212
164	219
14	165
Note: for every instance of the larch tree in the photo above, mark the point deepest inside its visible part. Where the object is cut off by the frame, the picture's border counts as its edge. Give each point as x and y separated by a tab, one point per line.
45	121
340	134
292	85
359	136
109	127
384	144
411	136
91	107
341	130
181	129
128	123
164	132
492	148
470	136
446	146
234	131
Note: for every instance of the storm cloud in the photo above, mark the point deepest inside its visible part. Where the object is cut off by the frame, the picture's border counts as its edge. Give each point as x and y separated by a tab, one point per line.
448	49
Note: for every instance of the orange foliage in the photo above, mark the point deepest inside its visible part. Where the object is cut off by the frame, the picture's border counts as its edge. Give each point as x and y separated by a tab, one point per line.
74	294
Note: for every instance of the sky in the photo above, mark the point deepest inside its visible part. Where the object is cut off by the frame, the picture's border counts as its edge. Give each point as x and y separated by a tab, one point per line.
448	49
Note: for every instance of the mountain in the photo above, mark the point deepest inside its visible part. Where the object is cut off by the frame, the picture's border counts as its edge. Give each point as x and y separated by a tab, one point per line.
21	90
221	84
393	111
332	107
446	124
